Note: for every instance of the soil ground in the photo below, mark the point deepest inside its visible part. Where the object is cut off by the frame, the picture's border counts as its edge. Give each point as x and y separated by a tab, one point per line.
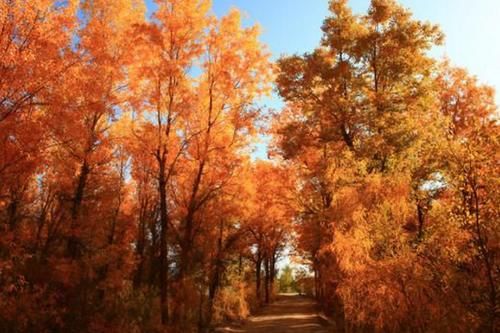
288	314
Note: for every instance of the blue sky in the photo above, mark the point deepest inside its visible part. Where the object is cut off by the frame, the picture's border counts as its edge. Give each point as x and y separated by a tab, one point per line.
472	30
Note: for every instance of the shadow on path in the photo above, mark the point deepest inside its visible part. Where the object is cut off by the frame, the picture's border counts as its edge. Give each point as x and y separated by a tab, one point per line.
288	314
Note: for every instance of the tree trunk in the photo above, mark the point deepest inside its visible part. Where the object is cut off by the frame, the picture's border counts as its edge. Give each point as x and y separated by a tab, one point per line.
140	246
163	240
12	212
258	265
267	278
420	215
273	269
489	267
216	276
74	246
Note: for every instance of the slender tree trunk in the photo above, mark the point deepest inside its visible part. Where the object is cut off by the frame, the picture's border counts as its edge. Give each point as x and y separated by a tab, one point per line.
116	213
420	215
140	246
486	257
163	240
12	213
273	269
186	247
154	250
216	276
73	242
258	265
267	278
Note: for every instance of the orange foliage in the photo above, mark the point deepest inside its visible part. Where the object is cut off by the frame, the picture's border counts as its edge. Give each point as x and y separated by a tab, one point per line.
396	159
129	201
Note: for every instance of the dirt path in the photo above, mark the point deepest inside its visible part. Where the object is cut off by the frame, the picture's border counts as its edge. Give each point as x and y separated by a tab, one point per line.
289	314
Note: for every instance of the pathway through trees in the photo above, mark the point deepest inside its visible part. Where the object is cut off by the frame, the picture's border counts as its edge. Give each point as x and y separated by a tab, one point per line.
289	314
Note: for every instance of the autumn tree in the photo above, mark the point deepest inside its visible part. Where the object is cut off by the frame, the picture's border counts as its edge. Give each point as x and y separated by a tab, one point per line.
369	115
124	142
34	40
270	225
73	165
195	126
130	200
472	195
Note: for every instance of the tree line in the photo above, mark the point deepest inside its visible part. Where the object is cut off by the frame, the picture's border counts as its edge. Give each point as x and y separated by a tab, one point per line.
130	202
128	198
396	156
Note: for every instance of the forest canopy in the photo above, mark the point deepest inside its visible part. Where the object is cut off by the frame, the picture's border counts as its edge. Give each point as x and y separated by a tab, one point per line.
131	201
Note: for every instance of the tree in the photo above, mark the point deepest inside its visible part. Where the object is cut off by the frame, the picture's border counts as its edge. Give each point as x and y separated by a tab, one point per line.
470	110
60	236
191	122
130	201
270	222
369	115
